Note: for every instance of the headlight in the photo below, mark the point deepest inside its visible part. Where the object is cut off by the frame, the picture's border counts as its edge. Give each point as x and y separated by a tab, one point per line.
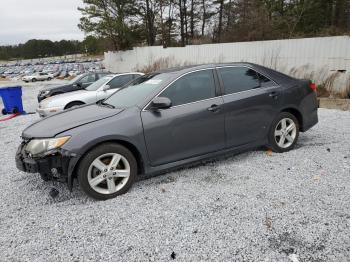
39	146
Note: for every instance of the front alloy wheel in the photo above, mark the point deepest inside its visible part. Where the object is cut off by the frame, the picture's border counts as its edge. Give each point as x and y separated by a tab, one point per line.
284	132
107	171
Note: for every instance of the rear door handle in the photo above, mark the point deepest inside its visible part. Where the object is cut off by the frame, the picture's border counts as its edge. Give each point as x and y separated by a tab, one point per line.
273	95
214	108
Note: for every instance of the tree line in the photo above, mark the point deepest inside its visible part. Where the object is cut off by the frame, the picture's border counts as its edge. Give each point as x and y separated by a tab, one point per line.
128	23
45	48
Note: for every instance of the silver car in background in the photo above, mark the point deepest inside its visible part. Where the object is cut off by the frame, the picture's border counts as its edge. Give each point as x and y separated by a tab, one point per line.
99	90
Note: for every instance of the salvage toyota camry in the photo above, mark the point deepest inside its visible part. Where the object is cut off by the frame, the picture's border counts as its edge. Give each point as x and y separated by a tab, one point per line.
167	119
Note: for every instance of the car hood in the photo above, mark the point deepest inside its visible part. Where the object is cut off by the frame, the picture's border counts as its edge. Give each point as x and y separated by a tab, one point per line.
53	87
69	119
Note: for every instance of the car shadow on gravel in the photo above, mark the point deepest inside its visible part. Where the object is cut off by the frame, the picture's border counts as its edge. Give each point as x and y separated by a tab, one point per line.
211	167
212	175
37	185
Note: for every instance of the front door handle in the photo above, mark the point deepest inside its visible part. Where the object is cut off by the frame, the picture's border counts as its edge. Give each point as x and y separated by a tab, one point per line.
214	108
273	95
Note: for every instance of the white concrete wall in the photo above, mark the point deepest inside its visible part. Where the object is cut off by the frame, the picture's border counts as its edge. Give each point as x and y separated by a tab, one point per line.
333	52
313	57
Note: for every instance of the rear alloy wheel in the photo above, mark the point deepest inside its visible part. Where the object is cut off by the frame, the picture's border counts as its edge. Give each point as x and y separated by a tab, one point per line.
107	171
34	80
284	132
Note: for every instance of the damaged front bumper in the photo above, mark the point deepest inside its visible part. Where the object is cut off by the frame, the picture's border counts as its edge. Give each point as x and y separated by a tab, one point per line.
58	165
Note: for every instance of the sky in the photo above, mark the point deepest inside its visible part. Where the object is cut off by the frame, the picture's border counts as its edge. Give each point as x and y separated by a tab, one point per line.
21	20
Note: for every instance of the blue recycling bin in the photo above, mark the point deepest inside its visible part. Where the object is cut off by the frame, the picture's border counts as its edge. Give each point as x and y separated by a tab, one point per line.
12	99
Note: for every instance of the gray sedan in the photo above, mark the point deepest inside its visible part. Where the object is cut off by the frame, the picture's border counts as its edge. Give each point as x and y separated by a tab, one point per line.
169	119
99	90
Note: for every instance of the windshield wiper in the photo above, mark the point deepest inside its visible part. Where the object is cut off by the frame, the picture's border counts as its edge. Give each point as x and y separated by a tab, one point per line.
102	103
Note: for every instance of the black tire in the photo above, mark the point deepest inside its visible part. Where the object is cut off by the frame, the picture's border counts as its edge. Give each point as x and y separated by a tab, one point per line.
49	79
34	80
95	153
272	139
3	111
14	110
73	104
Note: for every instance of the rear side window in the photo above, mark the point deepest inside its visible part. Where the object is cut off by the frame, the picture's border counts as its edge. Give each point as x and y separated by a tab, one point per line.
264	81
120	81
191	88
238	79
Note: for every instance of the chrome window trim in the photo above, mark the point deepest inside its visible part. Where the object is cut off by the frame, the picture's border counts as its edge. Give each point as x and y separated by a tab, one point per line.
197	70
275	85
250	90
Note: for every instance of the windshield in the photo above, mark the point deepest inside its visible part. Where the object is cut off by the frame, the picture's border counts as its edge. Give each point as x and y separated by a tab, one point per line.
96	85
137	91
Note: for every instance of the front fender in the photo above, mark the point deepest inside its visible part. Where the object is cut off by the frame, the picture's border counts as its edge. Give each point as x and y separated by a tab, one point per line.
125	128
74	161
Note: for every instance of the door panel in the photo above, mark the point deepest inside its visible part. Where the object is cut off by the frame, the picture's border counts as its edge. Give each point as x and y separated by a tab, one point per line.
184	131
249	114
251	102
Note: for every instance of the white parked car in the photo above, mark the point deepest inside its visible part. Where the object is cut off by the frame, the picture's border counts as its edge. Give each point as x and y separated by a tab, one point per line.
37	77
98	90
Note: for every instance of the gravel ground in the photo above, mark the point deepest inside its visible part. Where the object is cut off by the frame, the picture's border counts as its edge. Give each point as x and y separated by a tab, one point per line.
250	207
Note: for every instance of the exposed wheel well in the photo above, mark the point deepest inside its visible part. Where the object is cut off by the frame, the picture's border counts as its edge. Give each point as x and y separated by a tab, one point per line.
126	144
73	102
297	114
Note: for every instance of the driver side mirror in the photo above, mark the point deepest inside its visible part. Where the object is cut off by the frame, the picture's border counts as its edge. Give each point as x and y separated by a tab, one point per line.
160	103
106	87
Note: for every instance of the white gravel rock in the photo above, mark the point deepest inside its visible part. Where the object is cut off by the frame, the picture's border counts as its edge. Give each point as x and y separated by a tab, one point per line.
248	207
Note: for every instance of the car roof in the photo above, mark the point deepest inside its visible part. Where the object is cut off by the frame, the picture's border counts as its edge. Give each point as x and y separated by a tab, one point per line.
129	73
275	75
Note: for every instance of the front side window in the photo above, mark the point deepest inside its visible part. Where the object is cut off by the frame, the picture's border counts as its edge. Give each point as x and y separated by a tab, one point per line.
190	88
135	76
238	79
96	85
87	79
120	81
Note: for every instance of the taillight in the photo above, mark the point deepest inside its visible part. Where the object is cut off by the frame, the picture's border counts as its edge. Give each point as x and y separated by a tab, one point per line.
313	86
